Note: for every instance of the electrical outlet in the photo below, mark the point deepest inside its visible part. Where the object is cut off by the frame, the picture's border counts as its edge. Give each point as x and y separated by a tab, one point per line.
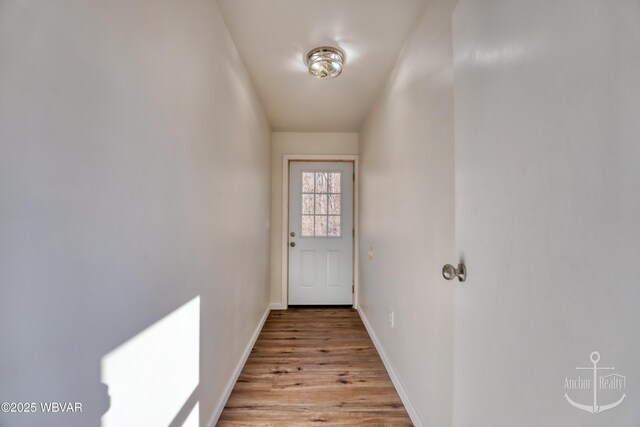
391	319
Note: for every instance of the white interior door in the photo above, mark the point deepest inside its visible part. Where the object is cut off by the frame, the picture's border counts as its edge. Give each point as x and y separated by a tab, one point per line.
321	233
547	208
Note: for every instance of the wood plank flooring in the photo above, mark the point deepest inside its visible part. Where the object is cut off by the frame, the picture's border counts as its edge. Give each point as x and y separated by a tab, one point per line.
314	367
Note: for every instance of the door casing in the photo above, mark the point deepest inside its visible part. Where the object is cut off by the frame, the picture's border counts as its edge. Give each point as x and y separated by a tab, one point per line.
286	159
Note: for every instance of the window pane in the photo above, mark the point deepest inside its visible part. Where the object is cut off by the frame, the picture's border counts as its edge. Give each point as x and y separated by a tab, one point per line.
321	182
321	225
307	182
321	204
334	204
307	204
307	225
334	182
334	226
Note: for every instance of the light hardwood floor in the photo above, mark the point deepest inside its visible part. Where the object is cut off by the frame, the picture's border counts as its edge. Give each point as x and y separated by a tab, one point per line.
314	367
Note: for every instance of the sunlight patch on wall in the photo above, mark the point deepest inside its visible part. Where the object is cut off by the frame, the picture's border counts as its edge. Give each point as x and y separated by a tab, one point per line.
151	376
193	420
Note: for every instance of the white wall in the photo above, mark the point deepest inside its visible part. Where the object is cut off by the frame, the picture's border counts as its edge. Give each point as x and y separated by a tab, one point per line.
547	100
134	177
407	214
296	143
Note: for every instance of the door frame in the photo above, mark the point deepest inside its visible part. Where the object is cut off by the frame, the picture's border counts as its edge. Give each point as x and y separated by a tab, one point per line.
286	160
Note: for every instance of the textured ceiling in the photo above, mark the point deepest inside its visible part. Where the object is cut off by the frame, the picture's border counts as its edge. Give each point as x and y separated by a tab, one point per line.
273	37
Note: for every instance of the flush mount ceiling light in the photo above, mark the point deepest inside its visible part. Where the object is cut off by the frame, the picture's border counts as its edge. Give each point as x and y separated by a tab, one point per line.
325	62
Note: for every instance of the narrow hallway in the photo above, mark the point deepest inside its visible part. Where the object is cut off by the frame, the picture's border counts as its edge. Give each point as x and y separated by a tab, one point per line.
195	193
314	366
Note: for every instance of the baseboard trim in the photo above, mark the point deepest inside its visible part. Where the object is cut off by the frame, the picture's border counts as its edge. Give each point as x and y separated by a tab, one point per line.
413	414
278	306
236	373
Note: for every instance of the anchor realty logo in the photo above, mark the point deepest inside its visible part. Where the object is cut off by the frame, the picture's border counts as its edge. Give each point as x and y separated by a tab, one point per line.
606	384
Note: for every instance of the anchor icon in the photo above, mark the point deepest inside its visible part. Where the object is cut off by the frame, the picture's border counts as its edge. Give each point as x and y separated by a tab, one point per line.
595	408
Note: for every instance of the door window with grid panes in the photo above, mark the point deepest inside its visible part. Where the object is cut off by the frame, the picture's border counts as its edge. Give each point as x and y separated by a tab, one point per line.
321	204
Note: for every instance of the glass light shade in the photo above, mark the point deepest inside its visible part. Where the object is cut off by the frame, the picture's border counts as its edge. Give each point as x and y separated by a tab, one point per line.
325	62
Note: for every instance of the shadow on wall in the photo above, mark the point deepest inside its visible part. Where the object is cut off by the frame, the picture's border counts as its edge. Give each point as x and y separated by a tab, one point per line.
152	379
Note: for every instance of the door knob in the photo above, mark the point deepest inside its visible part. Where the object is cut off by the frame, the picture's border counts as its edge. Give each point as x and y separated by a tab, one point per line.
450	272
292	244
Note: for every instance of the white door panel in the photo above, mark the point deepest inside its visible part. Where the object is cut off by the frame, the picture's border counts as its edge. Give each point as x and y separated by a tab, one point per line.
320	233
547	99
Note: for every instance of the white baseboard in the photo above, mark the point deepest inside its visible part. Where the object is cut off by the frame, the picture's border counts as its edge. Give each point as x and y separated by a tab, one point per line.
236	373
278	306
413	414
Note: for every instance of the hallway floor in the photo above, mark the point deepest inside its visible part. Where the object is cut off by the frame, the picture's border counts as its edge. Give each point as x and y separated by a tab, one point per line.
312	367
